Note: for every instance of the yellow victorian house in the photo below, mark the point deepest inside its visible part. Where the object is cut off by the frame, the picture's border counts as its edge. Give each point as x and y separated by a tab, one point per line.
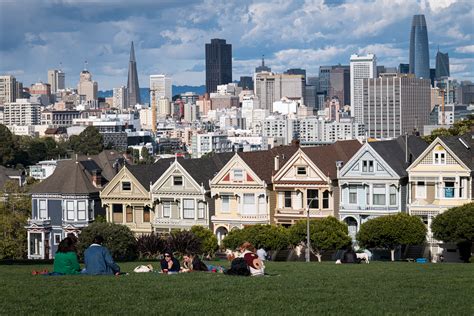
439	179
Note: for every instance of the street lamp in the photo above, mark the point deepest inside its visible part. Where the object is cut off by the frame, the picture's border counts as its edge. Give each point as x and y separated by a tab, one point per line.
308	237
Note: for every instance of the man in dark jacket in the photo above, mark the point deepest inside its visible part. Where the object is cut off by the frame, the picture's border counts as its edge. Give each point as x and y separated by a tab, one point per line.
98	259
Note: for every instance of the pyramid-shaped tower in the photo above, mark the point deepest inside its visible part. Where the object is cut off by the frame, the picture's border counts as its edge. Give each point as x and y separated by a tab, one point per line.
132	83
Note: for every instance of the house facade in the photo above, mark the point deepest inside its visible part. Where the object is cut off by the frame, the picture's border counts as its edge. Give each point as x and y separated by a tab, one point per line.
242	190
439	179
374	181
65	202
308	182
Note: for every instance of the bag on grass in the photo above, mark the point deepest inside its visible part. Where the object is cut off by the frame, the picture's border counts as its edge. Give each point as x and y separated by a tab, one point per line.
142	269
238	266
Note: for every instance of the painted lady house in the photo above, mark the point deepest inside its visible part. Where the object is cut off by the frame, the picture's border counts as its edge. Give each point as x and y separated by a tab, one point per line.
308	181
441	178
242	190
374	182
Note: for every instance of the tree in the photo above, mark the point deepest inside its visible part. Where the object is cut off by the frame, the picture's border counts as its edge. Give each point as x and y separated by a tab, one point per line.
184	241
7	146
16	198
459	128
456	225
392	231
234	239
118	238
88	142
208	240
150	246
325	234
270	237
13	236
146	157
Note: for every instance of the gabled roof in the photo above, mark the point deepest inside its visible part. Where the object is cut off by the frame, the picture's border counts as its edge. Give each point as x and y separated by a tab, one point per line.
461	147
393	152
325	157
204	169
69	177
262	162
110	161
147	174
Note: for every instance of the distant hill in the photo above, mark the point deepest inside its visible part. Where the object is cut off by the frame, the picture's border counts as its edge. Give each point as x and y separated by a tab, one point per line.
145	93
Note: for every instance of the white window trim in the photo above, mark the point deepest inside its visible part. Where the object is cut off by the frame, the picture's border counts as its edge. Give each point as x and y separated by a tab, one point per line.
227	197
45	209
438	161
73	211
420	194
84	211
54	238
168	204
305	171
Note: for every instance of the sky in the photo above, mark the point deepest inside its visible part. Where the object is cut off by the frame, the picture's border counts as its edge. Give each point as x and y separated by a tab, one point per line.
169	36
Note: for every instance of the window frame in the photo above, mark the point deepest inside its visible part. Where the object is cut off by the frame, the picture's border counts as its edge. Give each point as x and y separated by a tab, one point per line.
379	195
239	177
352	190
301	168
68	210
192	209
439	157
54	238
420	190
312	200
392	191
43	211
287	197
79	211
177	178
325	199
225	200
126	186
166	205
249	208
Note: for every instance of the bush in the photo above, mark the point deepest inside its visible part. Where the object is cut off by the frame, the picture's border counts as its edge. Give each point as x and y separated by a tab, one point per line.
208	240
150	246
234	239
183	241
269	237
118	239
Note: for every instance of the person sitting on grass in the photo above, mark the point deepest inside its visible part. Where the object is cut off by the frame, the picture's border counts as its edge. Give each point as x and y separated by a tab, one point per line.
192	263
169	264
65	260
256	266
98	259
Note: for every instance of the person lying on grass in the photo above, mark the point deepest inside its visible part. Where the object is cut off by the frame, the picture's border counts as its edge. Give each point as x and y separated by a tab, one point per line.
65	260
256	266
98	259
192	263
169	264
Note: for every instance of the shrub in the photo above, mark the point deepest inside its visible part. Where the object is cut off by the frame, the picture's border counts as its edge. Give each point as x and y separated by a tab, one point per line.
234	239
183	241
118	239
150	246
269	237
208	240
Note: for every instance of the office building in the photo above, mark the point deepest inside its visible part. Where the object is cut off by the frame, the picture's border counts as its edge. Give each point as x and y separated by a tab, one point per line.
22	113
296	71
218	64
56	118
133	88
310	96
271	87
262	67
465	93
161	86
120	98
362	67
442	65
394	105
246	83
404	68
340	84
87	88
57	80
7	89
419	51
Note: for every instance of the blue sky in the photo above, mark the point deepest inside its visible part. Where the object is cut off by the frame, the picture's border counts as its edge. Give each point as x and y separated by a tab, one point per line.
170	35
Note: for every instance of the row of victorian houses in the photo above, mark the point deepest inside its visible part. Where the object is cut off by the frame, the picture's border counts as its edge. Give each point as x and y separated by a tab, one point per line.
349	180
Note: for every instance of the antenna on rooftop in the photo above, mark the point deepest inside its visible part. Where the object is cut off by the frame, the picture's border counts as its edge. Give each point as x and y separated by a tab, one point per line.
85	64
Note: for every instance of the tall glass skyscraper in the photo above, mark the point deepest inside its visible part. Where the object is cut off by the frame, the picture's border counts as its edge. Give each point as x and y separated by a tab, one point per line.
442	65
419	53
218	64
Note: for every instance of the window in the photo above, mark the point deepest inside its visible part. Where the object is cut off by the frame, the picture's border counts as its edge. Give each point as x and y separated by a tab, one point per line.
364	165
238	175
393	195
81	210
439	158
188	208
129	214
166	209
378	194
367	166
117	211
371	166
225	203
326	199
449	190
301	171
249	204
462	186
177	180
146	214
312	198
201	210
70	210
126	186
420	190
57	239
43	212
262	205
287	199
352	194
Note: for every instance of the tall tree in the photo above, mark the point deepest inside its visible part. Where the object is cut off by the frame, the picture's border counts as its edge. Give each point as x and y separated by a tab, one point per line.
88	142
7	146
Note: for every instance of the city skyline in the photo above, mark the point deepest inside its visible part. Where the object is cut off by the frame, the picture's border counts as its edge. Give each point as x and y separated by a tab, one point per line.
169	37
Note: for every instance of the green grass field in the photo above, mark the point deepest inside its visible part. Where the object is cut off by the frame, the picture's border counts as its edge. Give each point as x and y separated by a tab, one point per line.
299	288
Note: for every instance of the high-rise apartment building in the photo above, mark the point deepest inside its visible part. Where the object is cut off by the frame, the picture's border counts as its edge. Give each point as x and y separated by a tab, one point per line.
161	85
340	84
120	98
442	65
361	67
218	64
133	88
419	52
7	89
86	86
394	105
57	80
22	113
271	87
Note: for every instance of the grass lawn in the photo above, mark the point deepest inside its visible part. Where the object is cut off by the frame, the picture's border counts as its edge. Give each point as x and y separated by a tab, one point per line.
300	288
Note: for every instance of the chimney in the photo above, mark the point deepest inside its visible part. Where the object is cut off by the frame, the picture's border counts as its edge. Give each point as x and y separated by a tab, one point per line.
277	162
339	164
97	178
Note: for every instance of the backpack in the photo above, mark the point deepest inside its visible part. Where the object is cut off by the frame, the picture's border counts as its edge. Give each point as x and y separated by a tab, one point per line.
238	266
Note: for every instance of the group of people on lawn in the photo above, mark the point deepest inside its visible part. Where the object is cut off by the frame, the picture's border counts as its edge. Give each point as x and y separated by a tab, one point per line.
98	261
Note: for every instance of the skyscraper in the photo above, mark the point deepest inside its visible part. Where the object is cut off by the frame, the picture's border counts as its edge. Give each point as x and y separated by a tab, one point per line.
419	53
262	67
442	65
362	67
218	64
133	88
56	78
7	89
86	86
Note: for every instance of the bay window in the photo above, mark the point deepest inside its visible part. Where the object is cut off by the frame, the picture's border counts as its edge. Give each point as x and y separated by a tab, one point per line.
378	194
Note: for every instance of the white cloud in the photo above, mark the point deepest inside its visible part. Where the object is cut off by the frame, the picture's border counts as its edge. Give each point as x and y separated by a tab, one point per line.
469	49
